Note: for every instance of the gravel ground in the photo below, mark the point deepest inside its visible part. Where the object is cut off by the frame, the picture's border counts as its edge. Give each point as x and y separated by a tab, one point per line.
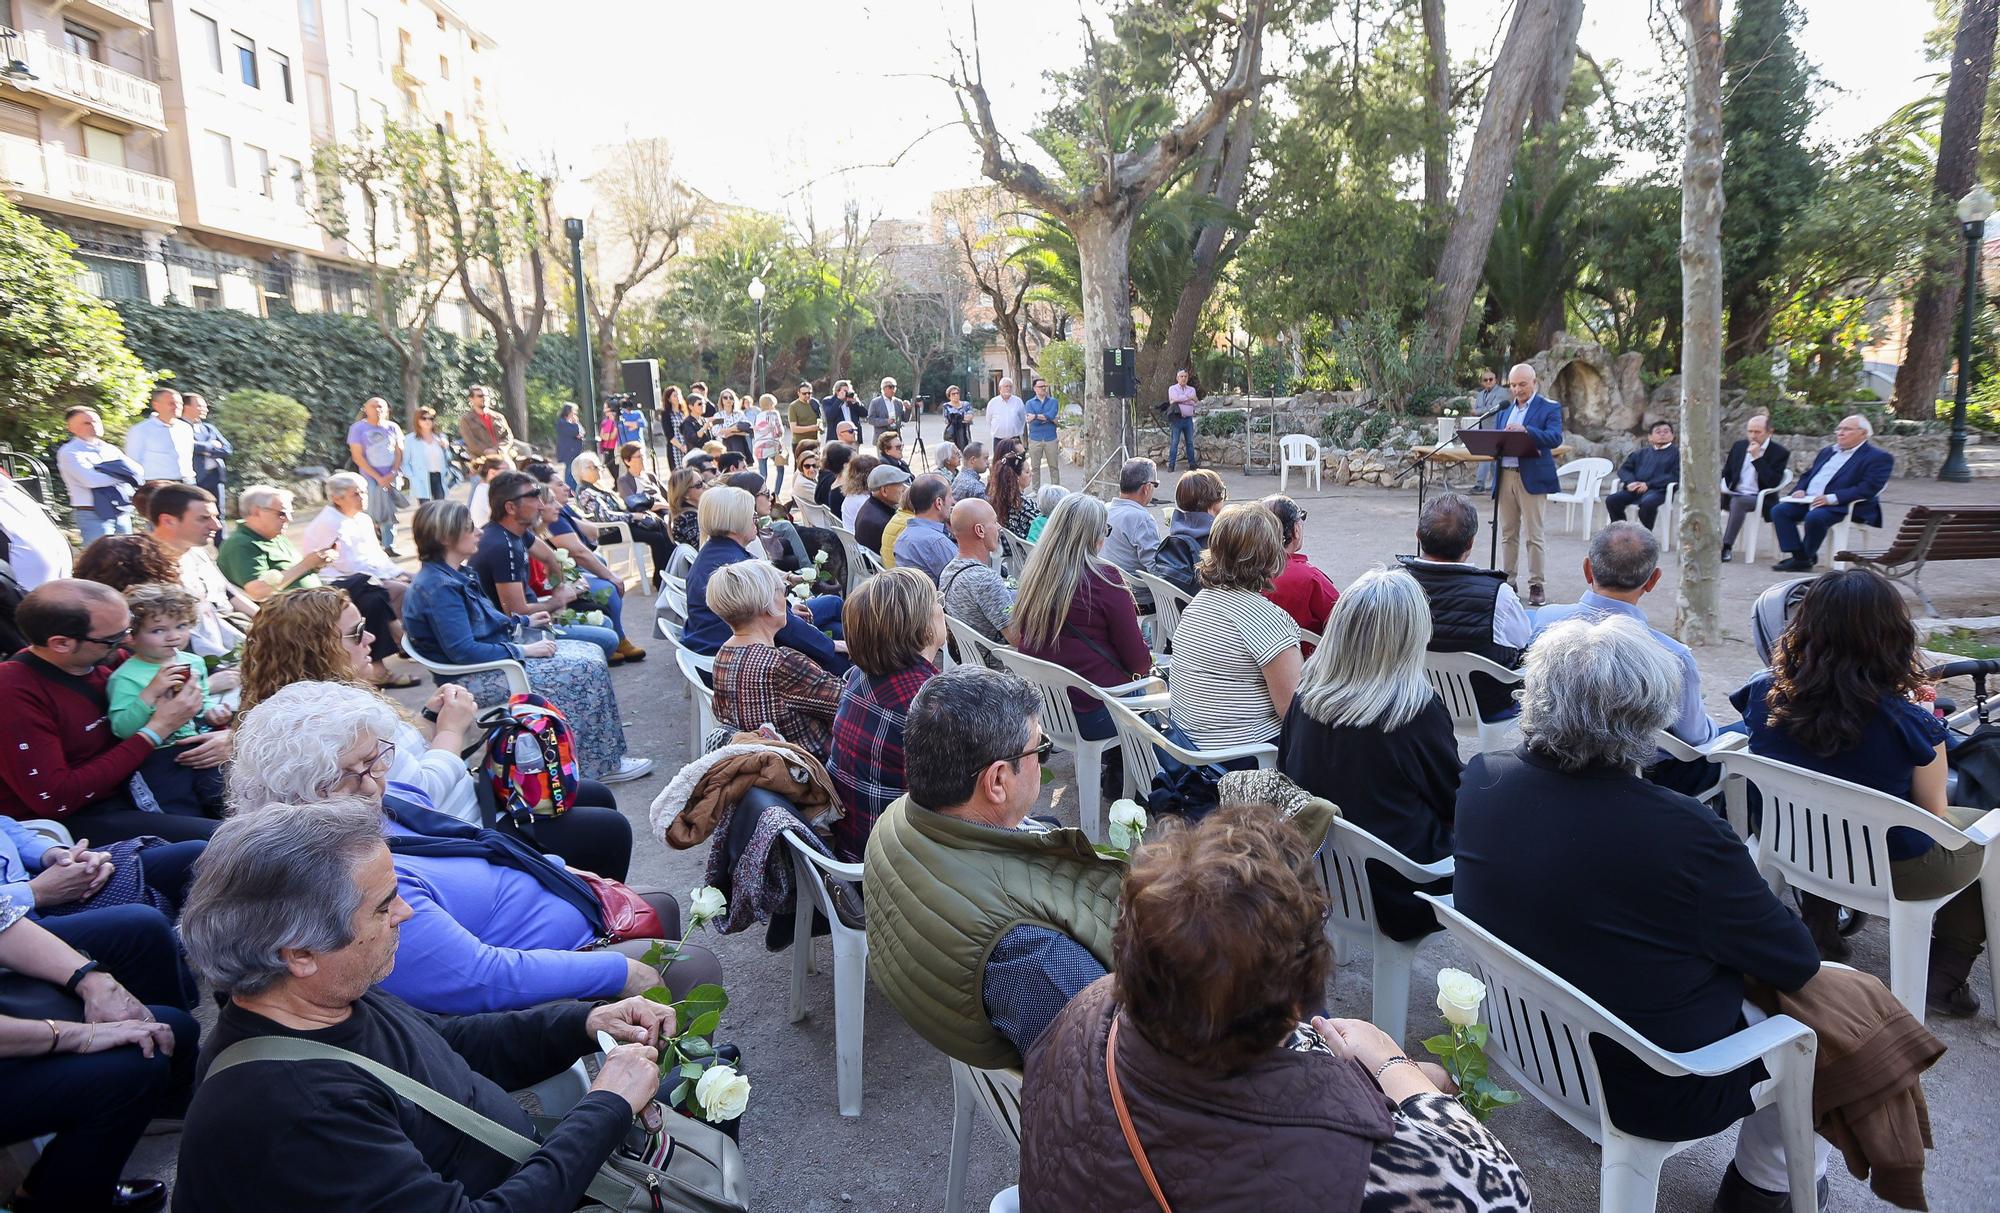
805	1157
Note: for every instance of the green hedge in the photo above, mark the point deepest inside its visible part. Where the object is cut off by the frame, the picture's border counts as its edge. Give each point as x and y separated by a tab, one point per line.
329	363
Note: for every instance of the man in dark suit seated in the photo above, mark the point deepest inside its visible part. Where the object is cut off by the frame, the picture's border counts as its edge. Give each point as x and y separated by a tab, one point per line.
1844	476
1645	475
1755	463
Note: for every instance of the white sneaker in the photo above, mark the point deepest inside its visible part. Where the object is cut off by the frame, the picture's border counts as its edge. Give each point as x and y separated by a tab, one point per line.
629	768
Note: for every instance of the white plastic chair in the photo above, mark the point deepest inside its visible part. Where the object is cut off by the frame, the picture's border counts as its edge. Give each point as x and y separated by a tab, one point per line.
1307	636
1450	675
1169	600
972	646
1677	749
1298	451
679	561
1343	870
1541	1032
850	963
1841	538
1828	837
998	1094
1140	745
618	549
1755	524
1589	474
1059	725
1014	553
55	831
559	1094
702	719
1666	522
515	673
814	515
861	563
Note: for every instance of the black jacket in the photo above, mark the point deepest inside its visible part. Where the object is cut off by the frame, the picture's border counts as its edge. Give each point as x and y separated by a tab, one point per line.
1770	469
1462	599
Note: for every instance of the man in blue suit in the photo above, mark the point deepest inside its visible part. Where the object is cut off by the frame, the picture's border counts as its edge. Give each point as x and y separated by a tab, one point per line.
1844	476
1524	483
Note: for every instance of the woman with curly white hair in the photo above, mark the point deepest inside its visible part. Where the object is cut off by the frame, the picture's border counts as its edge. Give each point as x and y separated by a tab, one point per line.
496	924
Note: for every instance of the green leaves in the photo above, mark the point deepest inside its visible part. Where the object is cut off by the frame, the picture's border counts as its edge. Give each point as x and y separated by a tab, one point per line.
1462	1053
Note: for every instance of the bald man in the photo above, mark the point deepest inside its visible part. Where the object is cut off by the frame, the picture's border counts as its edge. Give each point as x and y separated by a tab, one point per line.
58	757
974	592
1525	482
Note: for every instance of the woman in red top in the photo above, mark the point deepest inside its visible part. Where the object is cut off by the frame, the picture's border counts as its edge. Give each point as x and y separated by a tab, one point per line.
1305	593
1074	610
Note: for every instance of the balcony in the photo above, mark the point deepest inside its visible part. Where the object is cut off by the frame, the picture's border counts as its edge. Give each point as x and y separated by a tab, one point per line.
91	85
129	12
46	173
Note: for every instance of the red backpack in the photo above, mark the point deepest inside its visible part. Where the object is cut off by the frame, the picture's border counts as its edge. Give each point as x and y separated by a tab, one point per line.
530	758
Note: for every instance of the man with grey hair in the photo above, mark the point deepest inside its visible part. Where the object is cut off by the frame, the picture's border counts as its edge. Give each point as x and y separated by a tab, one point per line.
1134	540
294	917
1623	566
971	478
1525	482
1848	475
1755	464
1473	609
982	921
1006	414
1639	896
885	412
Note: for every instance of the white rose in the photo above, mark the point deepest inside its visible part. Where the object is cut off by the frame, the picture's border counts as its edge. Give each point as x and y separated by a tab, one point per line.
707	902
802	592
1128	824
722	1094
1459	996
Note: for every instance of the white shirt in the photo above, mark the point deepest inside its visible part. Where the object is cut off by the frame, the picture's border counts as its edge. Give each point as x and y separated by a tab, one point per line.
213	635
1817	485
37	549
163	453
1518	415
77	459
1746	480
357	549
479	502
439	774
1006	417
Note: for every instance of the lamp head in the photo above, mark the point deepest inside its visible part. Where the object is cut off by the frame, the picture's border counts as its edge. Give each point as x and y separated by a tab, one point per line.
965	330
756	290
1976	206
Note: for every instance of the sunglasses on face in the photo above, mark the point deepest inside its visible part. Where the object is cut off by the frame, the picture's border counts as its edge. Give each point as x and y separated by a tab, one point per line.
1040	753
109	642
356	634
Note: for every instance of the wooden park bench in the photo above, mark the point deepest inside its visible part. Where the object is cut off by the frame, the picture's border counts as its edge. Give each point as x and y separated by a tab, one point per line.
1932	532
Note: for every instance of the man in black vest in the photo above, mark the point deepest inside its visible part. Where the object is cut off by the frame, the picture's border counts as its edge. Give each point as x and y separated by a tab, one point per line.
1473	609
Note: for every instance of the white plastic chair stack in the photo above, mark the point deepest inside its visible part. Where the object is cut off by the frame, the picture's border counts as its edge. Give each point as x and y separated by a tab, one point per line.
1589	474
1343	869
850	963
1298	451
702	719
1829	837
515	673
1140	745
1754	525
998	1094
1541	1032
1059	725
1450	675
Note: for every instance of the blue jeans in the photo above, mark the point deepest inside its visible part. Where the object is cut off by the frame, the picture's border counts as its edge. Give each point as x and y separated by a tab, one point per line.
94	528
603	638
1786	517
616	611
764	470
1182	432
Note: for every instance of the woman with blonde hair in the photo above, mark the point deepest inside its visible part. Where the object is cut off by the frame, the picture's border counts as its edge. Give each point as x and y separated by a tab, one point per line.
1366	731
895	627
756	682
1236	653
1074	610
426	457
767	441
854	485
684	490
729	534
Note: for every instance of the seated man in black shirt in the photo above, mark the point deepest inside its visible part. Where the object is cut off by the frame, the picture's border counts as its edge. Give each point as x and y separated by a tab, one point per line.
294	917
1644	476
886	485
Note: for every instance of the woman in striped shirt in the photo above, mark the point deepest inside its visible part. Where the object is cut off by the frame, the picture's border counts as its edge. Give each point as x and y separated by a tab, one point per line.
1236	653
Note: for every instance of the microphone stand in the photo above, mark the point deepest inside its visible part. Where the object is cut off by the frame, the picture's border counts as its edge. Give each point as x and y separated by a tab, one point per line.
1418	464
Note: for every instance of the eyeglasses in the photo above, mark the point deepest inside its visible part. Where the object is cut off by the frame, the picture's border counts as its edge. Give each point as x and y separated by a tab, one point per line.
109	642
526	496
378	763
1040	753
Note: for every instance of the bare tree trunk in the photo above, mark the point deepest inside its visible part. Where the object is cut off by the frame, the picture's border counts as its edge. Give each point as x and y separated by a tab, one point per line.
1543	122
412	356
1510	92
1934	317
1437	109
1696	606
1104	254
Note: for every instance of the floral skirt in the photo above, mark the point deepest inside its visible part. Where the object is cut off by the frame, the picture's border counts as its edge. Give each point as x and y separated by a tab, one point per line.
577	681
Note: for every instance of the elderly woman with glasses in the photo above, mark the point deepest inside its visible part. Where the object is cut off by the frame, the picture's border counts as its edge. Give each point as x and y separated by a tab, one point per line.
448	619
1641	897
730	536
497	925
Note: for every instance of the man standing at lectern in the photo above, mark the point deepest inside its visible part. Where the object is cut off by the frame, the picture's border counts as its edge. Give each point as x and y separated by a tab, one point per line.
1525	482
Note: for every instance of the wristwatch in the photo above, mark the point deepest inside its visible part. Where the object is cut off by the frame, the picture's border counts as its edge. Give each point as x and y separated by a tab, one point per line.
83	970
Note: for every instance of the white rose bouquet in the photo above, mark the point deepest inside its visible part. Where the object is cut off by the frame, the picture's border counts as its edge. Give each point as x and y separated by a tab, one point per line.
1462	1050
706	1088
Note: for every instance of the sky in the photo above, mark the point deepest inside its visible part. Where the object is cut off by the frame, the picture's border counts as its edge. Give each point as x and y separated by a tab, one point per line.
784	104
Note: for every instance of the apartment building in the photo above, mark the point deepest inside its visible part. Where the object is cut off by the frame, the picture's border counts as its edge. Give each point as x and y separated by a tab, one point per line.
174	140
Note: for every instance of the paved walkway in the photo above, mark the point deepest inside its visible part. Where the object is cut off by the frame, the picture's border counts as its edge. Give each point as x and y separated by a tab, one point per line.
805	1158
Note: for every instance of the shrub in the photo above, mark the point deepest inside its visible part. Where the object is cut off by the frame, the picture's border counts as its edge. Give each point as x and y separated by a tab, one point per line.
1220	424
268	431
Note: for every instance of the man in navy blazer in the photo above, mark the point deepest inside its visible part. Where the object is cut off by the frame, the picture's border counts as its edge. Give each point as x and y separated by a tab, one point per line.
1844	476
1524	484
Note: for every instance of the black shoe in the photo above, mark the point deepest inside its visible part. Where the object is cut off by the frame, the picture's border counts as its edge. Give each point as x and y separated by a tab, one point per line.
1793	564
1739	1195
1725	553
131	1196
1958	1002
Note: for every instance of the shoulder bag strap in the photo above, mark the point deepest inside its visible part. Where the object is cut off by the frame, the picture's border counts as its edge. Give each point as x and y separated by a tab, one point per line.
604	1188
1124	1118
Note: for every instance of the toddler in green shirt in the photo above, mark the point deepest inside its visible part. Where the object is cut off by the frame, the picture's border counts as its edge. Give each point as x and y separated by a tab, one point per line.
163	619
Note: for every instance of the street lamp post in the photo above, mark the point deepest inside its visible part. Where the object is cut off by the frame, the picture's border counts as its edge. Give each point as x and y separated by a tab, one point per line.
757	342
1973	211
573	201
